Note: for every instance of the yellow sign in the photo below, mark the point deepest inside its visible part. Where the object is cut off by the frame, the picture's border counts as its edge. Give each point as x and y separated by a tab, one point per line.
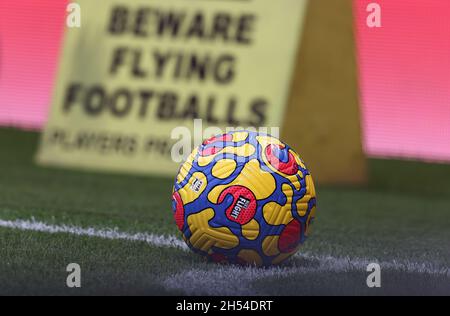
137	69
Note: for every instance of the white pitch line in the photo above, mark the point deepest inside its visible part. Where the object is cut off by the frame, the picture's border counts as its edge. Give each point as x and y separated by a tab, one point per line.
107	233
235	280
344	264
229	280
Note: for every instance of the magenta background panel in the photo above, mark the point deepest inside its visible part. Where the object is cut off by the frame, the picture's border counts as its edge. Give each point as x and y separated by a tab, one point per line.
404	69
30	38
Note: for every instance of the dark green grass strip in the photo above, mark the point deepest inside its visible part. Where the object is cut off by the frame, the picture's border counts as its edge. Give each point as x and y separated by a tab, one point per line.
35	263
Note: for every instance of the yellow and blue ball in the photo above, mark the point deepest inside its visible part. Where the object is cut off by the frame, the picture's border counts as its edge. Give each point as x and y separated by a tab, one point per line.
244	197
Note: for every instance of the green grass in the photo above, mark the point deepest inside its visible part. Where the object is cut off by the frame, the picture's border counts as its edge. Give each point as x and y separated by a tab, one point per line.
402	214
35	263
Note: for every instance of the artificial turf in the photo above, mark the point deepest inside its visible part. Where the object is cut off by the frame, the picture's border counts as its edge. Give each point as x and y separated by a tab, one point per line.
403	214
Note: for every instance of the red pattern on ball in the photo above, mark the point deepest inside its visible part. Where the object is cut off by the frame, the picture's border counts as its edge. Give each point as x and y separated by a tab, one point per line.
218	258
179	210
290	236
289	168
245	214
222	139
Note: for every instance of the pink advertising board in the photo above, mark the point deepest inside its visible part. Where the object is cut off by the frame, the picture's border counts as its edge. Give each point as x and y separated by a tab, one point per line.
404	71
30	38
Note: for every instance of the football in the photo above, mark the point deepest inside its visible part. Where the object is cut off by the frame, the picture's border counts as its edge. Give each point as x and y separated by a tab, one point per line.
244	197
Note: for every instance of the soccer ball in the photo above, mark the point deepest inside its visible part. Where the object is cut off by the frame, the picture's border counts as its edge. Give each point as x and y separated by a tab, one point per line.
244	197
